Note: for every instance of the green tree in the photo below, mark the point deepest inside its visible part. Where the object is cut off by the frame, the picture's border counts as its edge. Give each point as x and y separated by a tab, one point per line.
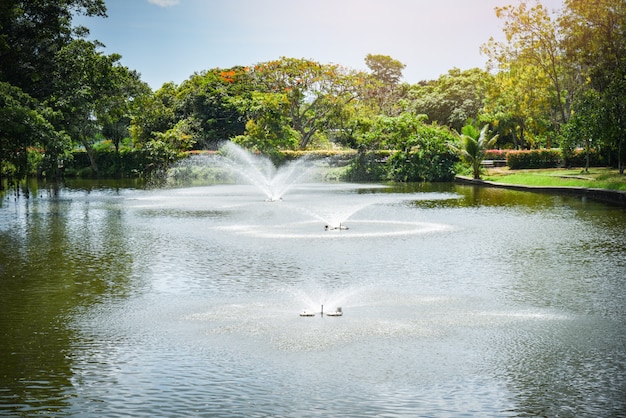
88	87
267	129
32	32
595	43
157	114
582	127
212	98
453	99
392	132
517	105
32	36
533	56
411	150
116	110
385	68
315	93
473	147
24	123
382	86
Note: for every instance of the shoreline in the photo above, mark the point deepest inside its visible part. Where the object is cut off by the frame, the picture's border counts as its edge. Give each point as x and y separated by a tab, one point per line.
605	195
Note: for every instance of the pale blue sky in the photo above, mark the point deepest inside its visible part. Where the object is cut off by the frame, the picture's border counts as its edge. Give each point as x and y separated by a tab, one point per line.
169	40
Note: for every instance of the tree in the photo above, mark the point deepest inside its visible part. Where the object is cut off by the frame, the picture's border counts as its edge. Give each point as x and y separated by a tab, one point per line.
315	93
212	99
157	114
268	128
453	99
31	35
385	68
392	132
116	110
474	144
532	51
517	104
89	85
24	123
414	151
382	85
594	38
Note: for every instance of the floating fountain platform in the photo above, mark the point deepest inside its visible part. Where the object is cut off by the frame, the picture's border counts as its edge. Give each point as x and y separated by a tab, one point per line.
338	312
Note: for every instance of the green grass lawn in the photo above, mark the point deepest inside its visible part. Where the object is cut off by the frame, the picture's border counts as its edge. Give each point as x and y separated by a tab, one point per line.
599	178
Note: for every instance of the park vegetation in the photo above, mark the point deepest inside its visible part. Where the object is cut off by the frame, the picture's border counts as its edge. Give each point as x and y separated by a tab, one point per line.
552	94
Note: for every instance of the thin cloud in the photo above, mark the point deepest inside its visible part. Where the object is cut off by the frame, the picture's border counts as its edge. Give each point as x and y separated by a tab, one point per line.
164	3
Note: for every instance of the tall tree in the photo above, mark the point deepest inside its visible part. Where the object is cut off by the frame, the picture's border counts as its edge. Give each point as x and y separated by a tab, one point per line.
385	68
33	37
383	85
32	33
532	40
211	99
116	110
91	88
594	36
157	114
453	99
268	127
24	122
517	104
315	92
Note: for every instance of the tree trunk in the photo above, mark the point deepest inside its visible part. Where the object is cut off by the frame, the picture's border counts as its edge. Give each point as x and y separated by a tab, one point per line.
587	151
306	137
92	157
620	163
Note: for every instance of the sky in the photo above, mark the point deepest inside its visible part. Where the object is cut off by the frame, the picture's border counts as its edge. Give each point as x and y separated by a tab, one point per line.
169	40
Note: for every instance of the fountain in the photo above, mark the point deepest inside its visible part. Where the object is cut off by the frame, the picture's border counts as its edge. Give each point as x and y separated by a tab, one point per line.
331	206
334	211
259	171
337	312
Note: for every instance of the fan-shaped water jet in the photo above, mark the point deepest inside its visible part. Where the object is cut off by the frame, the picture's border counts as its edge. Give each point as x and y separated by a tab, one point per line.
259	171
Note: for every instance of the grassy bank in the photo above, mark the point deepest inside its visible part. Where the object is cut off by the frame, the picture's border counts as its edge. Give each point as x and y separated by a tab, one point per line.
598	178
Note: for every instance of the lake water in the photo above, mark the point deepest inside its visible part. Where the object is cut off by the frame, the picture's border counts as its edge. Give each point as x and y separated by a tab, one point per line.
457	301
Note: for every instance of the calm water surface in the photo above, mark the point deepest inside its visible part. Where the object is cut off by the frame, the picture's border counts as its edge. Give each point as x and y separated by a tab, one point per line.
458	301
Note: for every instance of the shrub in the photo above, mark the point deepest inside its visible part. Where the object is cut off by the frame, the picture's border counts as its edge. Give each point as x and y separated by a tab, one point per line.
578	157
541	158
496	154
404	166
368	166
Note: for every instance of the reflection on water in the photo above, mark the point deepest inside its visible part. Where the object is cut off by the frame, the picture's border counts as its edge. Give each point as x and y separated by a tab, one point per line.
118	301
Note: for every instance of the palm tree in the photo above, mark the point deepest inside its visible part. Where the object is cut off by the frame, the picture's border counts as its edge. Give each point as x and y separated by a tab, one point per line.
474	146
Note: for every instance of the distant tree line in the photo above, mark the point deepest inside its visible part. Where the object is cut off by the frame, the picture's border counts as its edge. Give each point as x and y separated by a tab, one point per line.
558	81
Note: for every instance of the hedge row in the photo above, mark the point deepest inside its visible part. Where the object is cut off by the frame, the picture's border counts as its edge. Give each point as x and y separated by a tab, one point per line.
545	158
541	158
578	157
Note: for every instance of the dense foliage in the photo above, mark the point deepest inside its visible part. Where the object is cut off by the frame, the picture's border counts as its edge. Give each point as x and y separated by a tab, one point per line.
559	81
541	158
